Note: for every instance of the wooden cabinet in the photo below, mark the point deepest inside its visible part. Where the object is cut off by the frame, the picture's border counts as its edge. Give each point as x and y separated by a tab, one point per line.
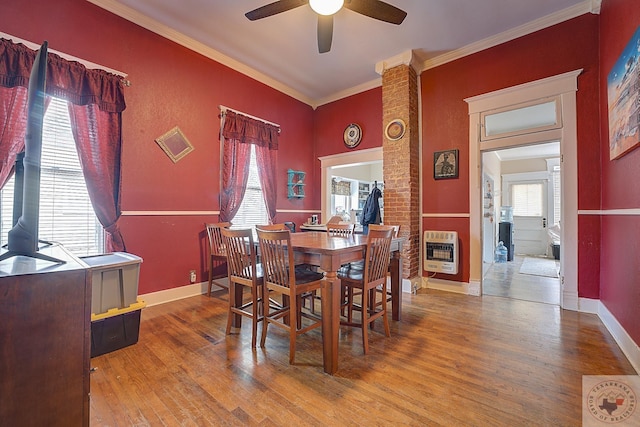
45	326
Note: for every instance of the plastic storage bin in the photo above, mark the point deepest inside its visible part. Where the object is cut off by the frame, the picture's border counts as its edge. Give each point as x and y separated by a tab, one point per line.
114	279
115	329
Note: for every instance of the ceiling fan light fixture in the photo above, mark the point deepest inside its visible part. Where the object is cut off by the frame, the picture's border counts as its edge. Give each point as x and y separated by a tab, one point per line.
326	7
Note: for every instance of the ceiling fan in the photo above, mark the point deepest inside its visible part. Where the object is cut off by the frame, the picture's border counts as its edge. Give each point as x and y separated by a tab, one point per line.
325	9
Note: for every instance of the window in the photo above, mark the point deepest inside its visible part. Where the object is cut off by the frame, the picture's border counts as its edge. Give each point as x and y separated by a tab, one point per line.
526	199
66	214
253	210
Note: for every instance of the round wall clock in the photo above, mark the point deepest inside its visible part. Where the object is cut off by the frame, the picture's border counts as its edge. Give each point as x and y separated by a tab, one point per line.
352	135
395	129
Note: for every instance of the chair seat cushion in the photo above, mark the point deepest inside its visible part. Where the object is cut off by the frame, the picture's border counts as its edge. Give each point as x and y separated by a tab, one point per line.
355	275
305	275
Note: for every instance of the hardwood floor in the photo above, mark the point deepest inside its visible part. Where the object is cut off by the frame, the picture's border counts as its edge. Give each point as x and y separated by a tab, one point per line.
453	360
505	280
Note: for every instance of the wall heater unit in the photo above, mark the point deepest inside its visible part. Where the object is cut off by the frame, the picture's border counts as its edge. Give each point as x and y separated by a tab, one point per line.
441	251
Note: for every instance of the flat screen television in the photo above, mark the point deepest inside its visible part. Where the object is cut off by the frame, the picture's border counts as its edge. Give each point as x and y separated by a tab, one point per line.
23	237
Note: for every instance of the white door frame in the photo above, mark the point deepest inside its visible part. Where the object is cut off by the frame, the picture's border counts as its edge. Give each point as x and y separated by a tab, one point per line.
565	87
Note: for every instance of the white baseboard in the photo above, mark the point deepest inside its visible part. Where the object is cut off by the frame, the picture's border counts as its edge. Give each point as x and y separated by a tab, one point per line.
174	294
626	343
445	285
588	305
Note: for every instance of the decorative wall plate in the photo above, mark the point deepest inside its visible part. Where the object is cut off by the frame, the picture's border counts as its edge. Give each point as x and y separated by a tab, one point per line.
352	135
395	129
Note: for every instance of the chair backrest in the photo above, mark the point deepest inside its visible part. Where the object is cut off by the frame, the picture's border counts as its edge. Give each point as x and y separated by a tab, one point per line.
395	228
378	255
272	227
334	219
241	253
341	230
276	255
216	244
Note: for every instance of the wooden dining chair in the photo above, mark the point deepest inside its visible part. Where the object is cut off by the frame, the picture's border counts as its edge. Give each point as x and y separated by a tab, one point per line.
272	227
244	272
396	232
217	254
368	283
340	230
282	277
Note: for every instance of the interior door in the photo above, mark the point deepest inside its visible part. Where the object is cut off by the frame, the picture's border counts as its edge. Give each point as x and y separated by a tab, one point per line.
529	201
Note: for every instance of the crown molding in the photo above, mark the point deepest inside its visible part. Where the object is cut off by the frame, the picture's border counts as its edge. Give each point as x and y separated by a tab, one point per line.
196	46
586	6
354	90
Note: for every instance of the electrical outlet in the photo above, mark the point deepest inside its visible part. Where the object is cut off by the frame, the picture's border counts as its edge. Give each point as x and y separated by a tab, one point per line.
192	276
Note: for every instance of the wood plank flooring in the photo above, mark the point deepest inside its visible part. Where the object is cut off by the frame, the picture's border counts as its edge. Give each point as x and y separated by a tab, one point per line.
453	360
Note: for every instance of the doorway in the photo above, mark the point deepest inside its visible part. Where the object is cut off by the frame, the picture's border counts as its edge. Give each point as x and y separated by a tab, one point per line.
559	90
521	202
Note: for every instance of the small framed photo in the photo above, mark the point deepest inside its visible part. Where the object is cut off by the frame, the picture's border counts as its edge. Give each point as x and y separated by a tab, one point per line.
445	164
175	144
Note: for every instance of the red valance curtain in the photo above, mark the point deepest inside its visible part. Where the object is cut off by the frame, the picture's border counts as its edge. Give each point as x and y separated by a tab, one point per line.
238	132
96	101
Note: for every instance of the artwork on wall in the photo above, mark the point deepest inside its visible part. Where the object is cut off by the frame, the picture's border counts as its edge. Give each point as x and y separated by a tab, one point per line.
445	164
623	93
175	144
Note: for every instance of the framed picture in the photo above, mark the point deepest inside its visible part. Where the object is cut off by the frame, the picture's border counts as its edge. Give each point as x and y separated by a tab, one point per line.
175	144
623	97
445	164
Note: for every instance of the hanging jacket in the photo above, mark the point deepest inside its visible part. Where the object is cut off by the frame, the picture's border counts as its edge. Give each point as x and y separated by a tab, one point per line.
371	209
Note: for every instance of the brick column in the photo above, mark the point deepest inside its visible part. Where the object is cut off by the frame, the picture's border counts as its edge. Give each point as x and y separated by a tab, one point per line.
401	165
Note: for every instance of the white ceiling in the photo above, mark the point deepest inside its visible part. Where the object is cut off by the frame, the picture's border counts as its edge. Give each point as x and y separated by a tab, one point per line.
282	52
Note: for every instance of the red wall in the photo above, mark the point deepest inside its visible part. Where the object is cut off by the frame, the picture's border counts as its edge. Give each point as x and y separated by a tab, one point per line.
620	267
171	86
331	120
564	47
365	109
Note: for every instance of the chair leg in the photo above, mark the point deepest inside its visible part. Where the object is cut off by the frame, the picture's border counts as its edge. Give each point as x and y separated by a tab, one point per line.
210	276
265	315
231	303
365	321
293	328
254	313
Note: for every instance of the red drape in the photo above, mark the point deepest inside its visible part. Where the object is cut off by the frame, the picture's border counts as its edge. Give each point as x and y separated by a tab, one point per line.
238	132
97	101
97	136
13	126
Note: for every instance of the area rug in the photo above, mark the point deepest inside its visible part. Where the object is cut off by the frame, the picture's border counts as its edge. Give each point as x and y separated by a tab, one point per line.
539	267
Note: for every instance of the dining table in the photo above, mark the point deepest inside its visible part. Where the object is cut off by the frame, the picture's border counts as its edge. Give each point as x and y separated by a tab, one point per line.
329	253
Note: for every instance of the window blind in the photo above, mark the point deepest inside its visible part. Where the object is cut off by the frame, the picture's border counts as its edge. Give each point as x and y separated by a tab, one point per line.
253	210
66	213
526	199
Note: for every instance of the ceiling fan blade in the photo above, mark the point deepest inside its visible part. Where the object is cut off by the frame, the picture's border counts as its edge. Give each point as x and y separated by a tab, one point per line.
274	8
377	9
325	33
